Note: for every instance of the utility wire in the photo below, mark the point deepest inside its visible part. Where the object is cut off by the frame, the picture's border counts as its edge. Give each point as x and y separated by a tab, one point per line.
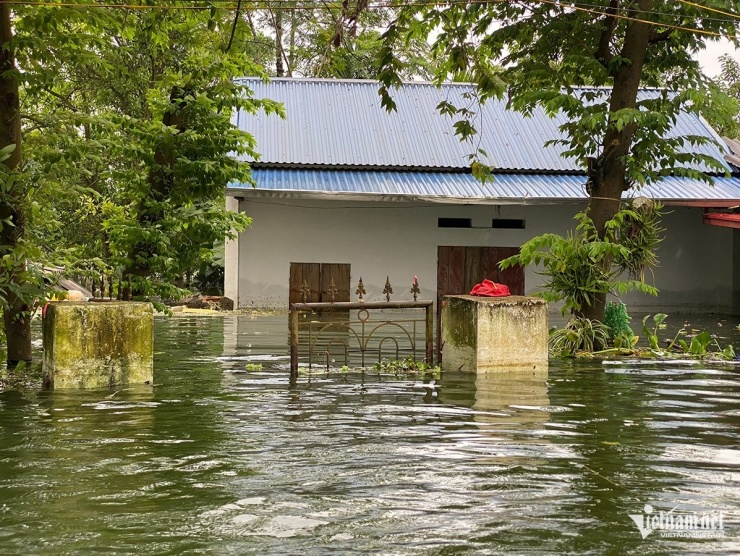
707	8
634	19
672	15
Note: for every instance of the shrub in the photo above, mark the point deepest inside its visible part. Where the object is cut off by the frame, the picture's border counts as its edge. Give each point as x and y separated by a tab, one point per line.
578	334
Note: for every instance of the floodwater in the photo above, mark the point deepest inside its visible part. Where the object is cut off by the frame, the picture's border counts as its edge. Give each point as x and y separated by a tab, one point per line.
215	459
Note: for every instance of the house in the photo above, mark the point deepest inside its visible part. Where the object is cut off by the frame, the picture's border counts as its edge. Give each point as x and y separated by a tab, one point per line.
380	194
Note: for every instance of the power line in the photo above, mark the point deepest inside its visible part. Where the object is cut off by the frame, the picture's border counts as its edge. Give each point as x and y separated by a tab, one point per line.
715	10
661	14
634	19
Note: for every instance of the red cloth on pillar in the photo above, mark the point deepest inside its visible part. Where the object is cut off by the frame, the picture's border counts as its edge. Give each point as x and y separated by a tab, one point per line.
490	289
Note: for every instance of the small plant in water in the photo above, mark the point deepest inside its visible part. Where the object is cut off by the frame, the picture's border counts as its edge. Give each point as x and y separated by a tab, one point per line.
651	333
578	335
582	337
699	346
408	366
617	320
253	367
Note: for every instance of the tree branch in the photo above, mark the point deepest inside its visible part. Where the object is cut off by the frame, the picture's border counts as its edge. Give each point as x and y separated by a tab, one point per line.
40	124
604	53
280	51
233	27
659	37
65	101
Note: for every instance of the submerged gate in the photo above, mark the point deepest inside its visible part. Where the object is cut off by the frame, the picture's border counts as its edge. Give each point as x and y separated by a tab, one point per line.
345	333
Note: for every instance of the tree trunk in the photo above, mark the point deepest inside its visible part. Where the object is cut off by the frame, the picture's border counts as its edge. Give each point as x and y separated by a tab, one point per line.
16	316
607	175
161	183
279	66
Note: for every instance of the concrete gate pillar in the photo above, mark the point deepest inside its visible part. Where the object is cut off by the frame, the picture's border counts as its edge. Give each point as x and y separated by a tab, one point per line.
494	334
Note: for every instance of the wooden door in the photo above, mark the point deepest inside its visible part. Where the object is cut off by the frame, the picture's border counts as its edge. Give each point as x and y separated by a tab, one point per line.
339	274
308	274
460	268
318	277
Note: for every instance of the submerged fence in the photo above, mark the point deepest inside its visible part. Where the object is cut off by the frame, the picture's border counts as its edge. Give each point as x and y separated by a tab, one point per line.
360	332
101	286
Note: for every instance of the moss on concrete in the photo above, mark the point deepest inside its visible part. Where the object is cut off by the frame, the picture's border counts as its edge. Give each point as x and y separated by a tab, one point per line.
483	334
461	322
95	345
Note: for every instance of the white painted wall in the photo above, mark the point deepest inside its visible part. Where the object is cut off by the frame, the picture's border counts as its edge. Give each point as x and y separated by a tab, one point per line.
401	239
696	265
231	258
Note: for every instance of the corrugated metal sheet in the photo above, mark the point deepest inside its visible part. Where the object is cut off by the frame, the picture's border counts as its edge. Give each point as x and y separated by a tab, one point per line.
461	187
341	123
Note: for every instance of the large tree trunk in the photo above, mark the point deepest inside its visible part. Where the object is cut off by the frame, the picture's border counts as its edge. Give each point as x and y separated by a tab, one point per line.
607	174
16	316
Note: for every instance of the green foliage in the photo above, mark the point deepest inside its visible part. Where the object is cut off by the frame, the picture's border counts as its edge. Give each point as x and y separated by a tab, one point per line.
328	40
98	92
617	320
724	113
408	366
698	346
537	55
578	335
584	66
651	333
582	265
639	233
582	337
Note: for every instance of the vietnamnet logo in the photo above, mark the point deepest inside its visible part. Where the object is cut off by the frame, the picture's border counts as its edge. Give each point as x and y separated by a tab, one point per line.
695	525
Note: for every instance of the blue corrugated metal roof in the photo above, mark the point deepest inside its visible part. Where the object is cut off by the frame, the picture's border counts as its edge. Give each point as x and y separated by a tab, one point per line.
341	123
462	187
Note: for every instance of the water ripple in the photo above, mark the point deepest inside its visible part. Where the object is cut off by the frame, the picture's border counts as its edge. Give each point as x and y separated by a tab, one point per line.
218	460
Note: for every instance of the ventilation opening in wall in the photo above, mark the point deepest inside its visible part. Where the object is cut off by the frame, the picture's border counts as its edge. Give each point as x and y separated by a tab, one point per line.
508	223
454	223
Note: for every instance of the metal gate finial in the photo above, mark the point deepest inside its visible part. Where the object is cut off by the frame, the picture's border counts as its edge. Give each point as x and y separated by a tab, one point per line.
388	288
360	291
415	287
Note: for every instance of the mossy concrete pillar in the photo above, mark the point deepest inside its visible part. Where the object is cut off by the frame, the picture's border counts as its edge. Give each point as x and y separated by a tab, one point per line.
98	345
494	334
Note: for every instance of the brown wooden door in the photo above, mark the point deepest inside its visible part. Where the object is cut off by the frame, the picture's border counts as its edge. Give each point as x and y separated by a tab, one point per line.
308	274
339	274
318	277
460	268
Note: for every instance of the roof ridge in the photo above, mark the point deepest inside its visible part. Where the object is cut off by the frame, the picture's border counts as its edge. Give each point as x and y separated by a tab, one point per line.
403	82
346	80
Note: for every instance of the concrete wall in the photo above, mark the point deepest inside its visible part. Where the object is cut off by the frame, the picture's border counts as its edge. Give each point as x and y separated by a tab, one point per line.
231	258
696	265
401	239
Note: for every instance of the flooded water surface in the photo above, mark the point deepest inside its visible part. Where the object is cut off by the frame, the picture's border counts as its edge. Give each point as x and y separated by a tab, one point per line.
218	459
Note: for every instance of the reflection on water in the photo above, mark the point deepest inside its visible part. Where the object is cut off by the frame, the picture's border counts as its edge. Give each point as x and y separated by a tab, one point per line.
215	459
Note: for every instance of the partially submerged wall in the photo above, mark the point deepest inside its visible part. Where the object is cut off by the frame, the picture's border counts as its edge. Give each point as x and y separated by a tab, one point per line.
98	345
502	334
